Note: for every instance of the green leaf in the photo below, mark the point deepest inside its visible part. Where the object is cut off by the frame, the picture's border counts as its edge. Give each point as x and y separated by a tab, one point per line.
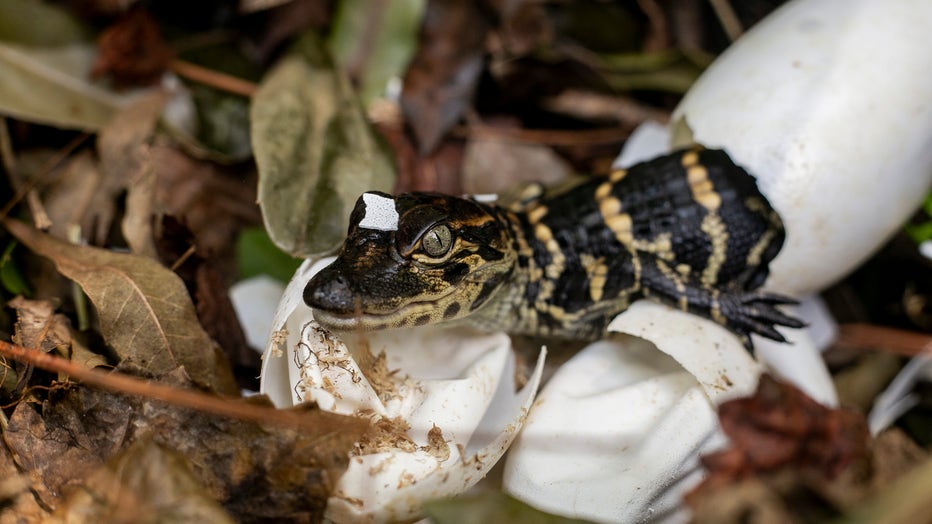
672	71
51	86
315	151
375	41
39	23
10	277
489	507
256	254
922	231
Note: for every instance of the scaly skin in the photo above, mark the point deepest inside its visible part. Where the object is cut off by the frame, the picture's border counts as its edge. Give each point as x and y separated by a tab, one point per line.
689	229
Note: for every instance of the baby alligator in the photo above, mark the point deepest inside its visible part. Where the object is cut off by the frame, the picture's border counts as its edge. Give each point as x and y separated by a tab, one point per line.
689	229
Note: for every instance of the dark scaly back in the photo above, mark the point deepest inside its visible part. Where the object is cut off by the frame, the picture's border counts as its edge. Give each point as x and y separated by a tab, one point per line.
690	229
680	227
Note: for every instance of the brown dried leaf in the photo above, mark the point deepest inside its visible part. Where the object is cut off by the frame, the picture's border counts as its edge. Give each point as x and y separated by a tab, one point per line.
145	312
143	483
781	427
438	171
213	201
495	166
442	76
69	197
17	502
795	495
255	472
123	159
51	455
139	218
38	327
132	51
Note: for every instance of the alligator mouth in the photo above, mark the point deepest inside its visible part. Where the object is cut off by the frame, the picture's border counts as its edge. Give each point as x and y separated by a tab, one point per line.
409	315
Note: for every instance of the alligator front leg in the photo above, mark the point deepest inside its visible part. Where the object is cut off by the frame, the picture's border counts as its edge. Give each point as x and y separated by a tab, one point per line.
740	310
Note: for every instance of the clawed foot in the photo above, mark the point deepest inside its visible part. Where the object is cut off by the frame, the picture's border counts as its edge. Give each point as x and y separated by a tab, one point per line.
756	312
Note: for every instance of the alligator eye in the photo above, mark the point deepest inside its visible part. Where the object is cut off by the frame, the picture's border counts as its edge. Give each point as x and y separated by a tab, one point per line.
437	240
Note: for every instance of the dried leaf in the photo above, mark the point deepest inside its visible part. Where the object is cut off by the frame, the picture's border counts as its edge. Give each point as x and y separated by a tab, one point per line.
38	327
795	495
438	171
18	503
493	166
50	86
443	75
69	196
144	481
213	201
315	151
255	472
145	312
123	161
779	427
132	51
51	455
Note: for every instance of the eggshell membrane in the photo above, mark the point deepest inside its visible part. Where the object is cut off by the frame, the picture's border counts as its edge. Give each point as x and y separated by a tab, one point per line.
829	104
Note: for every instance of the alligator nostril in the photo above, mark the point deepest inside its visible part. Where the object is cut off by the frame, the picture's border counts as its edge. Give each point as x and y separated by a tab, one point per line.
329	291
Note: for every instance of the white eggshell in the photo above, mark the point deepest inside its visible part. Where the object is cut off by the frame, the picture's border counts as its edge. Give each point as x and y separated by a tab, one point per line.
453	379
254	300
614	436
829	104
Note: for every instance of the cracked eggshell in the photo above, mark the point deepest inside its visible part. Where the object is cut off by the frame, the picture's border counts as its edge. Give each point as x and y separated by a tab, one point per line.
445	398
829	104
616	433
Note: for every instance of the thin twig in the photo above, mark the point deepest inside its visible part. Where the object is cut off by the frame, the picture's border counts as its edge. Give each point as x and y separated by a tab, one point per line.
215	79
727	17
227	407
39	216
46	168
870	337
590	105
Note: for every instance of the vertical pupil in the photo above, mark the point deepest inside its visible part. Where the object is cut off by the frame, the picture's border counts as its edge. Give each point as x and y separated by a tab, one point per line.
435	241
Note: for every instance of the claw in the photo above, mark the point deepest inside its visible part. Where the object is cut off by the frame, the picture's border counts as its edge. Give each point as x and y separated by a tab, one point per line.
757	313
769	298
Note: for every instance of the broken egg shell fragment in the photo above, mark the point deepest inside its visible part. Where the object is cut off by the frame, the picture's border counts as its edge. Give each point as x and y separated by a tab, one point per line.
616	433
445	400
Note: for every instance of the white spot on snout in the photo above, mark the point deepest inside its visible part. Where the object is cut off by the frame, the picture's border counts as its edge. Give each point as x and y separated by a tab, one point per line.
380	213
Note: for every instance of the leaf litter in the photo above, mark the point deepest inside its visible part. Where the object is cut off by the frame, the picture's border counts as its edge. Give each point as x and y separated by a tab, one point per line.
484	90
